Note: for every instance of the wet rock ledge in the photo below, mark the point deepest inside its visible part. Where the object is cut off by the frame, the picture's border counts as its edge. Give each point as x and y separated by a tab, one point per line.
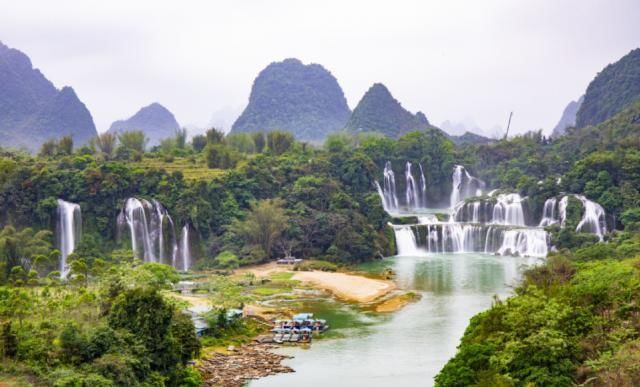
251	361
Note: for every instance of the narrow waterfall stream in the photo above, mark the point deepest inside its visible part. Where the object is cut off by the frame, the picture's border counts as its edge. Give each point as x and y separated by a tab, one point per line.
68	231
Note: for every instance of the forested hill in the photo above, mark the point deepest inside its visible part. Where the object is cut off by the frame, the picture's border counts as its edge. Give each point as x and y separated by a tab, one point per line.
155	121
611	90
32	110
378	111
305	100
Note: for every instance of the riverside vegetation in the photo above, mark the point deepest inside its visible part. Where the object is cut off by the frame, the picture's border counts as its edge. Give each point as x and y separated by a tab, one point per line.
252	197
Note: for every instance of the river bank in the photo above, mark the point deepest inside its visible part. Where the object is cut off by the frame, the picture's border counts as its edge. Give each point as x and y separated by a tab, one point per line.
239	365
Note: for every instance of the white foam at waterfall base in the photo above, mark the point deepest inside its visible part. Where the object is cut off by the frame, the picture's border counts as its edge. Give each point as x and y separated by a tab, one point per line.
69	231
406	242
525	243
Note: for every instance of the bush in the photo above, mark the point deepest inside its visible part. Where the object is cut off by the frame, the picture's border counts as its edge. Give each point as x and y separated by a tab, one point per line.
313	264
226	260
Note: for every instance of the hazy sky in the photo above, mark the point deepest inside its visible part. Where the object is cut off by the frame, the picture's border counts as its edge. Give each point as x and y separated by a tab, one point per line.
453	60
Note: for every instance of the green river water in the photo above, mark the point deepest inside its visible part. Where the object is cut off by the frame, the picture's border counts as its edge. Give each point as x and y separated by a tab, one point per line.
408	347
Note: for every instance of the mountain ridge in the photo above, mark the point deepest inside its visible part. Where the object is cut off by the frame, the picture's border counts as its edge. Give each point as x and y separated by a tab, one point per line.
33	110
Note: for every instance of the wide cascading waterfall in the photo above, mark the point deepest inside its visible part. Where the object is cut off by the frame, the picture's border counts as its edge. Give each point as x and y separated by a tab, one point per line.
185	250
423	239
151	229
68	230
464	186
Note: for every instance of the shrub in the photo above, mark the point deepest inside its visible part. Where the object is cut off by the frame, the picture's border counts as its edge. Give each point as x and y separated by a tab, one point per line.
313	264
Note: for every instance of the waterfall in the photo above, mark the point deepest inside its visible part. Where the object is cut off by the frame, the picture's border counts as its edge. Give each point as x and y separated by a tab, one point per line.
411	192
549	213
422	239
152	230
69	231
406	241
185	248
505	209
593	219
593	216
508	210
524	242
464	186
389	191
423	187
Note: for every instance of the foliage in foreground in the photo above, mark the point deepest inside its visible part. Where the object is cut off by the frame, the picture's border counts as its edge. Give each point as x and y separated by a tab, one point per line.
572	320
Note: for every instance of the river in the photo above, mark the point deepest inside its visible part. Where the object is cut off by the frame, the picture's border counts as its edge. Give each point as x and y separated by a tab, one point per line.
408	347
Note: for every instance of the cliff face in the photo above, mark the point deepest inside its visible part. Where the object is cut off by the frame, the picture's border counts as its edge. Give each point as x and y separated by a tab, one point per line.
33	110
305	100
614	88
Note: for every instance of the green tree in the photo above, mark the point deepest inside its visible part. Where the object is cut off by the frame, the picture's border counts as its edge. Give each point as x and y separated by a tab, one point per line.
279	142
198	142
264	224
65	146
106	144
134	141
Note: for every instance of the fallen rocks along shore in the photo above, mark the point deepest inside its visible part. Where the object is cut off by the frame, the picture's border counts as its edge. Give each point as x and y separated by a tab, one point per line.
251	361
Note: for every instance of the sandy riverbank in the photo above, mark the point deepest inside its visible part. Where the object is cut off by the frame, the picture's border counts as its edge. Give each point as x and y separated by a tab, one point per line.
348	287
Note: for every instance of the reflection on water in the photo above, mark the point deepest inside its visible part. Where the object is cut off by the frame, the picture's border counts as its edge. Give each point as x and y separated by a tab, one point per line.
409	347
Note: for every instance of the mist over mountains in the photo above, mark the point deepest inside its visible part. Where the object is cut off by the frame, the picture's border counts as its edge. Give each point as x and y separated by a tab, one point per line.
156	121
33	110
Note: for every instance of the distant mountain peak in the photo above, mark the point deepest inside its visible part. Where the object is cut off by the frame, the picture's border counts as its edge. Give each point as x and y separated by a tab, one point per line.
155	120
379	111
305	100
568	118
33	110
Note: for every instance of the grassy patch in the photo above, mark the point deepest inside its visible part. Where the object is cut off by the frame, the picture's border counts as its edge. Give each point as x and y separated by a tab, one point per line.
190	170
269	291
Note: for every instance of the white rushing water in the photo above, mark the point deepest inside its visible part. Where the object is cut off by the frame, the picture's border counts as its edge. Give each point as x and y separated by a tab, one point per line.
505	209
68	230
464	186
424	239
152	232
185	249
593	218
415	192
593	215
